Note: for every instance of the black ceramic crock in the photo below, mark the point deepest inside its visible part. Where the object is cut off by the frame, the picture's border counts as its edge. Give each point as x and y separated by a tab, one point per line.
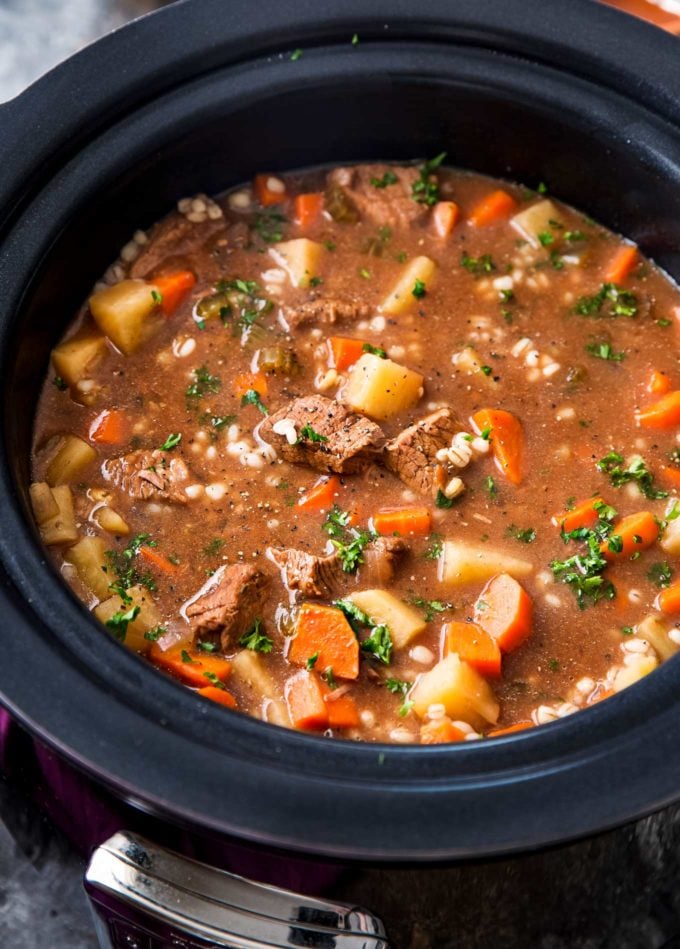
198	97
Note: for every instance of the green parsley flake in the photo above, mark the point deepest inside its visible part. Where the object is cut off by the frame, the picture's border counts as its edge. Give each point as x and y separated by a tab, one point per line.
426	189
118	623
374	350
419	290
477	265
389	178
172	441
307	433
256	640
252	397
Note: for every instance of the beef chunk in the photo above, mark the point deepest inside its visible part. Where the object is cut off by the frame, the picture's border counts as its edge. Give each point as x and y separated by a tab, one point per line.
177	244
149	475
323	311
391	206
381	559
229	603
336	439
311	575
412	454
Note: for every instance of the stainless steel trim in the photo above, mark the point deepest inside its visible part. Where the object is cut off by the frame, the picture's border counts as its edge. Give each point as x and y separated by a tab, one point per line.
146	897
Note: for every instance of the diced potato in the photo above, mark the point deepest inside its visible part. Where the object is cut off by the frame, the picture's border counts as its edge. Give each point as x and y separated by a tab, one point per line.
381	388
73	359
461	563
43	503
538	219
300	258
629	675
401	296
73	455
670	540
469	361
111	521
655	629
403	622
248	666
88	556
60	529
466	696
126	313
147	618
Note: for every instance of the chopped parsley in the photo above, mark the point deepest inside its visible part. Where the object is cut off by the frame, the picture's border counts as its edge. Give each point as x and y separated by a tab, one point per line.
295	55
487	370
307	433
213	680
583	571
637	472
525	535
121	562
389	178
491	488
153	635
442	501
246	302
545	238
379	643
59	383
218	422
267	226
255	639
187	658
214	547
329	245
609	301
477	265
311	662
627	630
574	237
315	281
366	274
252	397
206	647
118	623
204	384
355	39
426	189
660	574
156	297
374	350
400	687
430	607
434	550
553	665
419	290
331	681
605	351
172	441
506	296
556	260
349	543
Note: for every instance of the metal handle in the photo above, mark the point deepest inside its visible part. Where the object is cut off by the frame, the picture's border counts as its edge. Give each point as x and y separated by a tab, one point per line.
145	897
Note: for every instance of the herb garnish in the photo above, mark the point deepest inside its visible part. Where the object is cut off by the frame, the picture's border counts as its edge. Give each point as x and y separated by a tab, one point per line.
605	351
311	662
255	639
389	178
267	225
379	643
213	680
204	383
525	536
374	350
156	297
442	501
121	563
153	635
419	290
583	571
295	55
430	607
308	433
172	441
491	488
426	189
609	301
637	471
400	687
660	574
477	265
349	543
118	623
252	397
60	384
434	551
214	547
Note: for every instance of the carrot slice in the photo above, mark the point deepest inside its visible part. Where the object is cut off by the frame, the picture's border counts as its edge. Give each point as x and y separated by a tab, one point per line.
151	555
250	380
403	520
444	217
305	700
672	475
342	712
109	428
510	729
173	288
344	351
215	694
320	496
662	414
474	646
308	208
505	610
583	514
621	264
507	440
265	193
635	532
658	383
492	208
439	732
668	600
189	666
324	631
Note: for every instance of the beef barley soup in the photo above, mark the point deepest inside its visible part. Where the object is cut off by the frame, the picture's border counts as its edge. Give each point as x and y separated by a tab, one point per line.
383	452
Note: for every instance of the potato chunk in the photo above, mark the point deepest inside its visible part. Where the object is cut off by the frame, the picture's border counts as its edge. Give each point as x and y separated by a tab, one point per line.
60	528
300	258
461	563
127	313
670	540
88	556
111	521
401	296
655	629
540	218
403	622
471	363
465	695
72	456
629	675
43	503
76	357
248	666
381	388
147	618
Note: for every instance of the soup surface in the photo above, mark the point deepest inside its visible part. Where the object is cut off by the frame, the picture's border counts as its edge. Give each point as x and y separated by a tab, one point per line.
382	452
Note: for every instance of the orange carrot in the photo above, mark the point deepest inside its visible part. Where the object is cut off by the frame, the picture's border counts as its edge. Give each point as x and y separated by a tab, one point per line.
190	666
507	440
173	287
632	533
504	609
215	694
305	700
672	475
662	414
323	631
250	380
342	712
308	208
440	731
151	555
583	514
109	428
658	383
265	194
510	729
604	694
668	600
492	208
344	351
403	520
621	264
320	496
444	217
474	646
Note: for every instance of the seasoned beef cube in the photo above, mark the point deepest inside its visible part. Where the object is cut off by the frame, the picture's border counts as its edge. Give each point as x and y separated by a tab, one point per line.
229	603
148	475
329	436
391	206
323	311
381	559
177	244
311	575
412	454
